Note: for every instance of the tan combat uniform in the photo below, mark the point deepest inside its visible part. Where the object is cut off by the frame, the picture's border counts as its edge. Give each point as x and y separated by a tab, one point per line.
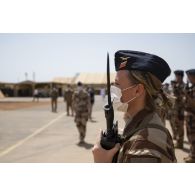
68	99
178	113
146	140
81	103
171	117
54	98
190	120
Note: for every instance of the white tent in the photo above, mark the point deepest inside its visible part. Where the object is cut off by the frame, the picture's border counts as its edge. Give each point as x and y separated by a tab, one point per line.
94	78
64	80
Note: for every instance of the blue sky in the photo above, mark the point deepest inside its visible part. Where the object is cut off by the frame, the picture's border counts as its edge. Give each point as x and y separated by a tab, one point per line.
56	55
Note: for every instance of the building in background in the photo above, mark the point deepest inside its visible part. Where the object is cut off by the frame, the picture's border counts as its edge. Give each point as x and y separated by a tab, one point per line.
7	89
26	88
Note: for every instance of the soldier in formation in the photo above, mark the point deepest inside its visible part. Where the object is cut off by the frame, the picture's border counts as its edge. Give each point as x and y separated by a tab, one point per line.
178	109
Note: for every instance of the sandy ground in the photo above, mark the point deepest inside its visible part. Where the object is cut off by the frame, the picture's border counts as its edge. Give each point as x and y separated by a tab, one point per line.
30	132
16	103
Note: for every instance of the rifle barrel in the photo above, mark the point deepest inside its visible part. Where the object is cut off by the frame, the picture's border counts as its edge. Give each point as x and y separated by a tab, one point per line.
108	80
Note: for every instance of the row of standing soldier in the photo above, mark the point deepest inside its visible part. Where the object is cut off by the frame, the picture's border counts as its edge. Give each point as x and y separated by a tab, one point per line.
182	112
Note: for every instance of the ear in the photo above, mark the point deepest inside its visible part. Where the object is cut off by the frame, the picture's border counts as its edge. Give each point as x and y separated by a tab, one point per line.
140	89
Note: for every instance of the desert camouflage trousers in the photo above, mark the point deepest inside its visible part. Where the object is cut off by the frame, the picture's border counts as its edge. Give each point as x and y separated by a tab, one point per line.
177	120
172	123
190	127
81	123
179	128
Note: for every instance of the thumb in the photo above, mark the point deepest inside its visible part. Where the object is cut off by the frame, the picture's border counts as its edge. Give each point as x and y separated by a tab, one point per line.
115	149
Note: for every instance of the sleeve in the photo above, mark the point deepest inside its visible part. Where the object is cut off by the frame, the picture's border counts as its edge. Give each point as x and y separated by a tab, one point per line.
141	151
88	103
190	105
73	100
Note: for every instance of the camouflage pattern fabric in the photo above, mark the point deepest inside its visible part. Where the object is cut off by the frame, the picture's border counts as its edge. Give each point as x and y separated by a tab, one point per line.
170	113
68	96
172	124
178	112
190	119
54	105
54	94
81	103
146	140
68	99
54	97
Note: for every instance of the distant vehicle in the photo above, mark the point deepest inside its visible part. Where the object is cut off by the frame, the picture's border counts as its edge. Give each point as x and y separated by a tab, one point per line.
43	94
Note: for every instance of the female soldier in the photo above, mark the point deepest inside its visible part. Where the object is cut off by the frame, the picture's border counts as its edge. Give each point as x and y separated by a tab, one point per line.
137	92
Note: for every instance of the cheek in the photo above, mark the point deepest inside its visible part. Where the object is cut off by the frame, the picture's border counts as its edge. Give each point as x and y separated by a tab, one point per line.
127	95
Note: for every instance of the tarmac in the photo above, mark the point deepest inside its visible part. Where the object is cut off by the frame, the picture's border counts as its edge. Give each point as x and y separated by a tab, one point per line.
37	135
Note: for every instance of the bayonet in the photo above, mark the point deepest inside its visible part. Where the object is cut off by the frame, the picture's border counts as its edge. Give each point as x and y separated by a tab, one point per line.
110	136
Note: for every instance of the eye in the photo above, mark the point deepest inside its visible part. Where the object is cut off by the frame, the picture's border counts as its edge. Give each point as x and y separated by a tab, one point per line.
116	84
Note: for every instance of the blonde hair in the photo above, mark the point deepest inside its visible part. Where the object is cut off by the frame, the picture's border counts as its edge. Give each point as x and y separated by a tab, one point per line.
156	99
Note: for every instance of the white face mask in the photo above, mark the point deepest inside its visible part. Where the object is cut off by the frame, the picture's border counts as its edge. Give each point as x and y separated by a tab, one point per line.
116	95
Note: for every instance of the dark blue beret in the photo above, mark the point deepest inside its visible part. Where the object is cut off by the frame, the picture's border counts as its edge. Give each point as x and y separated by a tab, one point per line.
191	72
136	60
179	72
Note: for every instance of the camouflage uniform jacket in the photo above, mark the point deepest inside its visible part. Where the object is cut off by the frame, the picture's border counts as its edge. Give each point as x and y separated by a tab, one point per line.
146	140
179	106
54	94
190	107
68	96
81	102
190	101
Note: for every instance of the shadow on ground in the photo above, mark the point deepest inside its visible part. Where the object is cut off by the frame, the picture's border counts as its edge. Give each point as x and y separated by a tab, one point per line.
85	145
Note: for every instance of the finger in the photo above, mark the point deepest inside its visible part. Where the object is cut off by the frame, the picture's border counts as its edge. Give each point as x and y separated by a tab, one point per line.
115	149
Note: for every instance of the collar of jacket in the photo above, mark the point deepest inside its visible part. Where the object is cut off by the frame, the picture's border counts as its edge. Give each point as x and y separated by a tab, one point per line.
138	119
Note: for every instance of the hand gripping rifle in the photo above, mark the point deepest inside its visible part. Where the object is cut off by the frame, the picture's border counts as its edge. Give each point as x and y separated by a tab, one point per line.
110	136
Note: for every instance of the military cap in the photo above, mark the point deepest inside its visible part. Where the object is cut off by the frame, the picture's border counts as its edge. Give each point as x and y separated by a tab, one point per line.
179	72
136	60
191	72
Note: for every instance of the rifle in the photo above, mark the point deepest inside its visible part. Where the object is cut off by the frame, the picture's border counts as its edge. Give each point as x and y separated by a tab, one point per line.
110	136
